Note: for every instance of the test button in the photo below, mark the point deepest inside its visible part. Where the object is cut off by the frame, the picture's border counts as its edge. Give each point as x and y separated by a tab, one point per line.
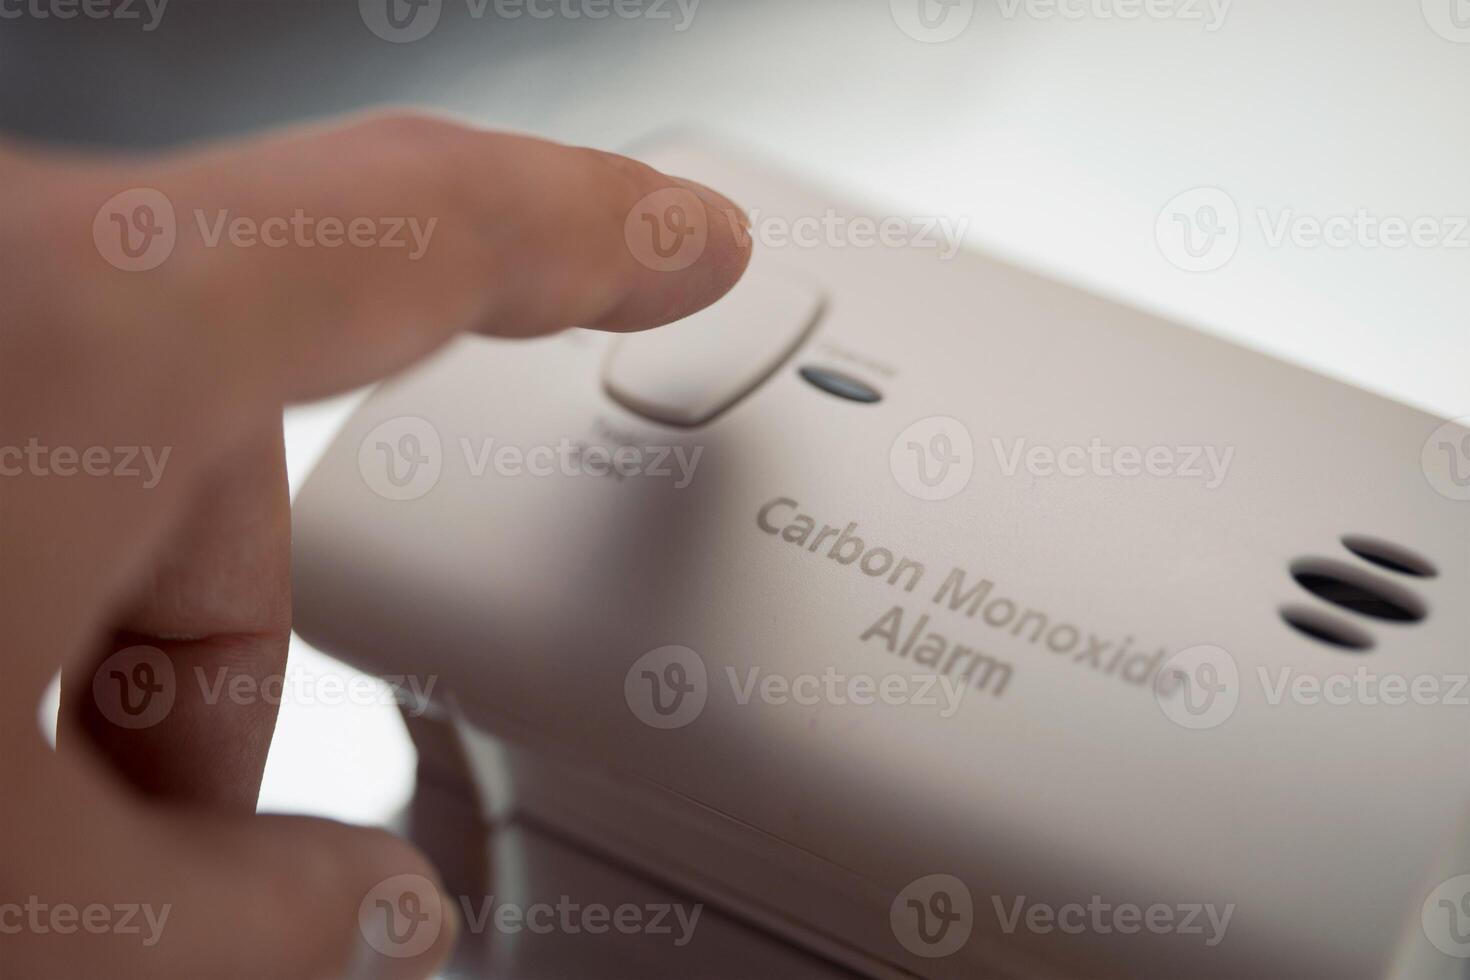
688	372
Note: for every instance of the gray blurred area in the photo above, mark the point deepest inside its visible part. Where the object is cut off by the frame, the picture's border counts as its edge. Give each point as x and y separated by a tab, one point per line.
527	866
211	68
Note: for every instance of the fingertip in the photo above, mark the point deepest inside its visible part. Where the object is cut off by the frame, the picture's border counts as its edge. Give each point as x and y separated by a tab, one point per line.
407	922
331	899
691	245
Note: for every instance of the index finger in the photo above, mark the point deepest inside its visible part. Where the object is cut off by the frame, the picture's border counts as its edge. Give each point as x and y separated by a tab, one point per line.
176	302
322	259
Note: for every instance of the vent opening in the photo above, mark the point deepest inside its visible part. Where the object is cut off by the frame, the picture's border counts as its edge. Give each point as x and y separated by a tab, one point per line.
1386	554
1327	628
1357	591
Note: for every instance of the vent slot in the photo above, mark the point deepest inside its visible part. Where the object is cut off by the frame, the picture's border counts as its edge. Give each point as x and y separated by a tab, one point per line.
1327	628
1386	554
1357	591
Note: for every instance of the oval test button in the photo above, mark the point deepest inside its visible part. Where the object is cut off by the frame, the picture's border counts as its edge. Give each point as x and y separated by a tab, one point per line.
688	372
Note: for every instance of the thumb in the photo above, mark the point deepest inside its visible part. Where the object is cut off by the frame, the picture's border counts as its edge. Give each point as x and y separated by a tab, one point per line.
338	901
158	892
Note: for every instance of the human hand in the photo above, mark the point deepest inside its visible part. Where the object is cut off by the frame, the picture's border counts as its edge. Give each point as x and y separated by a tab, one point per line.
183	546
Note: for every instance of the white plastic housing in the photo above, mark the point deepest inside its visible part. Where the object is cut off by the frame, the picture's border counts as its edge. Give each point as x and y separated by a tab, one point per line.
530	598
